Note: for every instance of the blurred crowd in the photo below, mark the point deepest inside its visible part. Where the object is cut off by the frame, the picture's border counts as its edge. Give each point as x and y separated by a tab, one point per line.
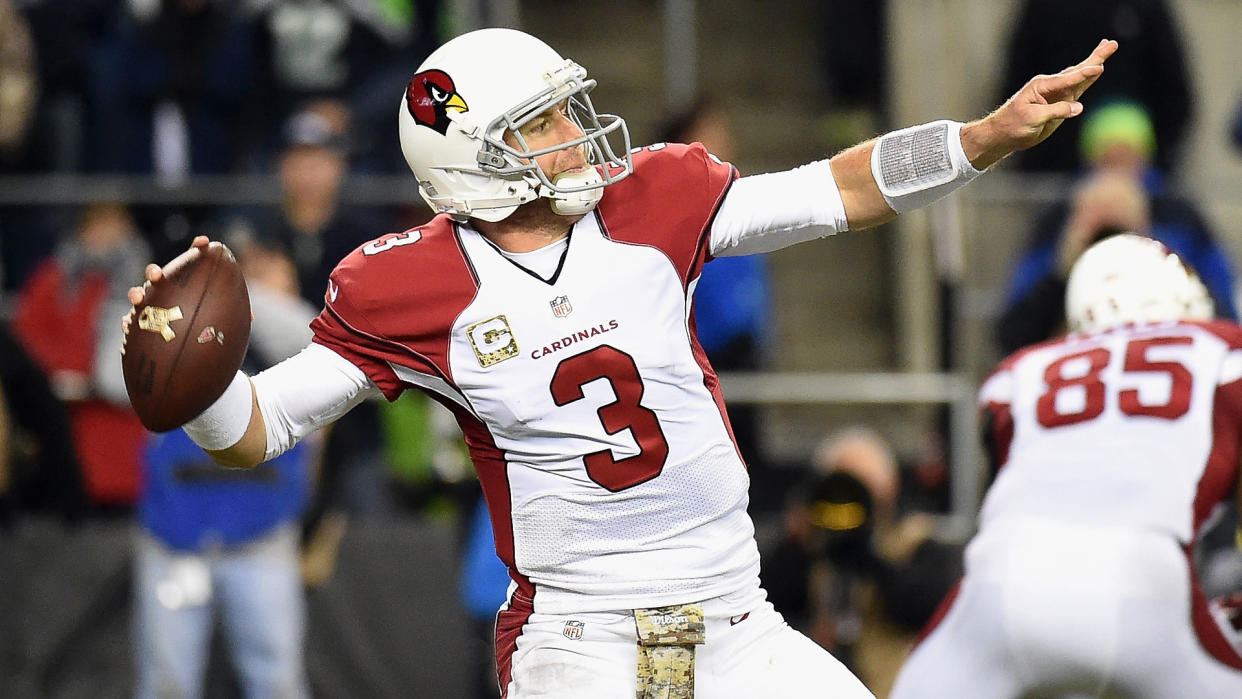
172	90
302	91
180	88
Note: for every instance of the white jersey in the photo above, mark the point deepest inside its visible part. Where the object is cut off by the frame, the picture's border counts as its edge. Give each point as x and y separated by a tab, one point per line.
594	421
1136	427
1112	449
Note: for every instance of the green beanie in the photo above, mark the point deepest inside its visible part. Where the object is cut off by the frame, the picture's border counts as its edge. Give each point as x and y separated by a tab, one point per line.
1122	122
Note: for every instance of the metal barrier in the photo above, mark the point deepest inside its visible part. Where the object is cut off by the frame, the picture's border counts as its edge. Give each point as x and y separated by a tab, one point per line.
957	391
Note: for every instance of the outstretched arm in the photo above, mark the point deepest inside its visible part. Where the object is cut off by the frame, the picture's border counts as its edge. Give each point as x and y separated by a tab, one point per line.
1024	120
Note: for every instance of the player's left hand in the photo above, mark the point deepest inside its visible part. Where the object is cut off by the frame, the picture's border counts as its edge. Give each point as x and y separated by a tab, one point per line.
1035	111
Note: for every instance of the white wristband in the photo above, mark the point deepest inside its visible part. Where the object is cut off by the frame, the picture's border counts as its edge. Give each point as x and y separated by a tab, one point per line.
917	165
224	423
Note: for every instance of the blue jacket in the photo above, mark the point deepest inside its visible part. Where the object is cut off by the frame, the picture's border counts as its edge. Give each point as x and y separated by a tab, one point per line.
731	301
1174	223
191	503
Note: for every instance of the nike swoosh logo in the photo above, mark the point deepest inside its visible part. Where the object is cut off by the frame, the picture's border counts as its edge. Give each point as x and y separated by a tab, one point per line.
735	620
332	291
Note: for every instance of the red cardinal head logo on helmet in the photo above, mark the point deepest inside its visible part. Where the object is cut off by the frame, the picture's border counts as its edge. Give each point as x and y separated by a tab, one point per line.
430	96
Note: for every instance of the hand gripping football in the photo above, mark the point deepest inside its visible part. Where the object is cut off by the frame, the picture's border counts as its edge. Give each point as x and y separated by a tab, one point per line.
187	338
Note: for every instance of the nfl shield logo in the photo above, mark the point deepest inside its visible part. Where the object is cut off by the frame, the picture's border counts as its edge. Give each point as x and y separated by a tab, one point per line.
573	629
561	306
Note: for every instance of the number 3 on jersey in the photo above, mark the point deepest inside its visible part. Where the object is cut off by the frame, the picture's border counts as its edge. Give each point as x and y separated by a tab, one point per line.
390	241
1093	391
606	362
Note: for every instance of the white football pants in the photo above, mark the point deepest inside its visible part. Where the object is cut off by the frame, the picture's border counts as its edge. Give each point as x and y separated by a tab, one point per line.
744	657
1051	609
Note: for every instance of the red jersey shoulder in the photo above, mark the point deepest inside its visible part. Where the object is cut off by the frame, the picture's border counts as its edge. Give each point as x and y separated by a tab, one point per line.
419	270
1228	331
1008	363
687	160
393	302
672	180
668	202
689	169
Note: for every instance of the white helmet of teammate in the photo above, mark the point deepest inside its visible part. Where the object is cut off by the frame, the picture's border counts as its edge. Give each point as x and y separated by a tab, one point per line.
1130	278
464	97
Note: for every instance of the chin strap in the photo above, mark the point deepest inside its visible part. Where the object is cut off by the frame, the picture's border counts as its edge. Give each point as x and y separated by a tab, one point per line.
576	202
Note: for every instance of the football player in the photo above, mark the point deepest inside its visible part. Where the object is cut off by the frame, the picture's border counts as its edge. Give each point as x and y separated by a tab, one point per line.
550	307
1113	445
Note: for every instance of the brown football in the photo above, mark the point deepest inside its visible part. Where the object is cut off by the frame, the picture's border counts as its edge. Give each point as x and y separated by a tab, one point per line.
187	338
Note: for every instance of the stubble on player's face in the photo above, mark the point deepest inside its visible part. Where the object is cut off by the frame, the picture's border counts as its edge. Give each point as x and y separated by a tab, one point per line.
550	127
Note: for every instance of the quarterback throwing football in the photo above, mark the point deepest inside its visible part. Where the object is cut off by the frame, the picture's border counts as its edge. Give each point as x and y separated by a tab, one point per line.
550	307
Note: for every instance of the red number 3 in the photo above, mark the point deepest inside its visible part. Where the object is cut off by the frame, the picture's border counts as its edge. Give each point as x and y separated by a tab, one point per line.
1093	389
626	412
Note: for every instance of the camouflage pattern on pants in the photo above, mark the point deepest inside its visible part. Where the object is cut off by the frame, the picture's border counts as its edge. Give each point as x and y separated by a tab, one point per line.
666	640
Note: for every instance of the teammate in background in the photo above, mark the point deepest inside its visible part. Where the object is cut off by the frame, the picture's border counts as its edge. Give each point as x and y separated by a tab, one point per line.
549	307
1113	443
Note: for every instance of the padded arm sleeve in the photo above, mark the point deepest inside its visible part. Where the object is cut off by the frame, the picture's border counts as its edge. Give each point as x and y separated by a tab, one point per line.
305	392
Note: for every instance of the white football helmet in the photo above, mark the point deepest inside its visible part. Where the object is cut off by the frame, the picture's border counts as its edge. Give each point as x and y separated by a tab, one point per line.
464	97
1130	278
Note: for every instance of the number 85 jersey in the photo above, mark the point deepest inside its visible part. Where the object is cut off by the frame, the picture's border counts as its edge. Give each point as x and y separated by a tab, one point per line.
1138	426
594	422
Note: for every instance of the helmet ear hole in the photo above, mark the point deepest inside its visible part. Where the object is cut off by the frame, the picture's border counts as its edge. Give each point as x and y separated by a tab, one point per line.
1129	278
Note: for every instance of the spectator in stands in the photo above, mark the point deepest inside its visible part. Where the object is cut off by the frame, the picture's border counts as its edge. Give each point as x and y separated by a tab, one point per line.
1152	70
18	80
66	317
42	62
731	301
64	35
310	50
220	547
39	469
315	230
171	89
855	570
1120	193
854	61
311	225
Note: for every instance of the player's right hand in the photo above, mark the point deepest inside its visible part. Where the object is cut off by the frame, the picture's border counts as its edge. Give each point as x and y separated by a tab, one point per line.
154	273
